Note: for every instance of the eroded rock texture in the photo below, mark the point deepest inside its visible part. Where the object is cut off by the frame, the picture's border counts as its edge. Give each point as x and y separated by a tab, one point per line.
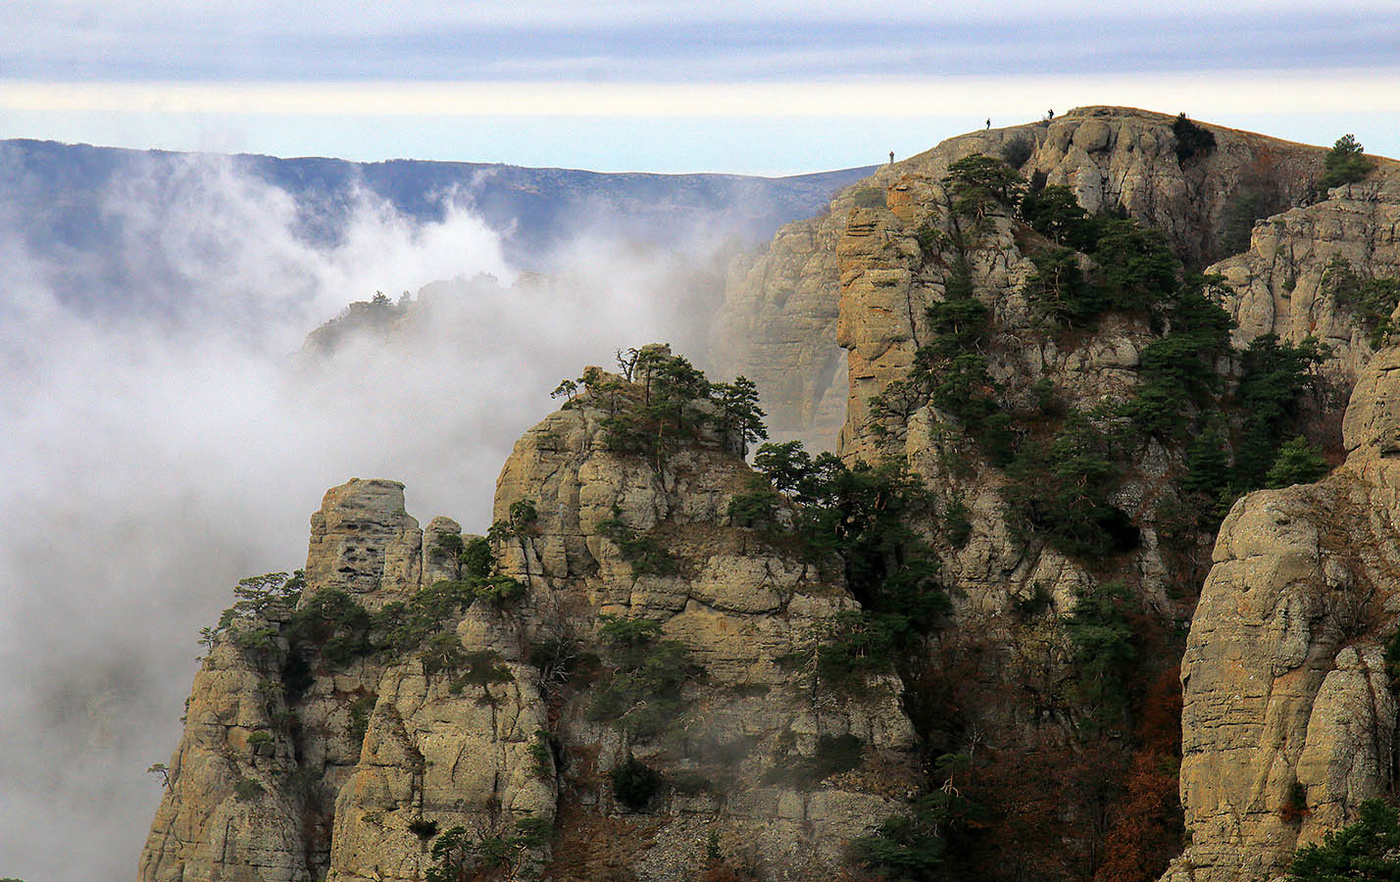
1289	719
1282	284
335	774
780	322
256	778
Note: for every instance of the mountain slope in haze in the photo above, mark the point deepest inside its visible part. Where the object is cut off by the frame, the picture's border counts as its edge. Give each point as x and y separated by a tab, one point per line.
149	307
57	194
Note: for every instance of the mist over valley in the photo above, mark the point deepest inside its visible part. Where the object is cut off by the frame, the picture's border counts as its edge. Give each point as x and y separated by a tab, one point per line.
165	434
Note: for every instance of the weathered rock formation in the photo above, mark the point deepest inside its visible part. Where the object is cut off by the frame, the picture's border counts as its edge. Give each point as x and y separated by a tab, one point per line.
1281	284
779	323
297	765
887	282
364	543
337	774
254	780
1290	719
1290	715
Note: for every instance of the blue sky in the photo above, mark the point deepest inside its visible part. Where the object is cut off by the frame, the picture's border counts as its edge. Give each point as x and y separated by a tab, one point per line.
766	88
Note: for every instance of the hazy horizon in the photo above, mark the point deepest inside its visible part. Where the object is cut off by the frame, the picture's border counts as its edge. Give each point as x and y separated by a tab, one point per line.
771	88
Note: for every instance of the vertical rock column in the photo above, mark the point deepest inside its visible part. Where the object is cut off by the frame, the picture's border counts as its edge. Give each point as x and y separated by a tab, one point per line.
364	543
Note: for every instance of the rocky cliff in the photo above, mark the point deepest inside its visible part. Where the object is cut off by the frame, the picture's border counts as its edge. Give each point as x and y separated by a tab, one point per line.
1287	281
779	324
1289	720
1047	415
252	787
634	633
1290	709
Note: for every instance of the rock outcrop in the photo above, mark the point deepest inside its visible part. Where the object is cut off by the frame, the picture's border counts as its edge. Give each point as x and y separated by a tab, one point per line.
346	769
254	783
1290	712
779	323
203	828
887	282
364	543
1281	284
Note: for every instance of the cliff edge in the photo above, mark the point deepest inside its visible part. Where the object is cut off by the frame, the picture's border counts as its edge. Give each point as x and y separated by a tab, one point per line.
602	689
953	646
779	323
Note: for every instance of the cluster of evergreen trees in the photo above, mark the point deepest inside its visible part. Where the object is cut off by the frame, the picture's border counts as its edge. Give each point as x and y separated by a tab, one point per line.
1064	464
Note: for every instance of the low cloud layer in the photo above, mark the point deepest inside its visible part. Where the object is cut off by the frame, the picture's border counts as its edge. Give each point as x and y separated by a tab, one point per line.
157	450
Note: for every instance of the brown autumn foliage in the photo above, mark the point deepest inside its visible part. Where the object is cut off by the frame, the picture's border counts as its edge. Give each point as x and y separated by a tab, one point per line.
1062	800
722	872
1147	825
1023	787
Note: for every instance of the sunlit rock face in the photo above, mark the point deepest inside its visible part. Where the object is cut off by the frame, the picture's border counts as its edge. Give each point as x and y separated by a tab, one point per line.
339	773
364	543
1289	720
1289	713
1284	283
780	322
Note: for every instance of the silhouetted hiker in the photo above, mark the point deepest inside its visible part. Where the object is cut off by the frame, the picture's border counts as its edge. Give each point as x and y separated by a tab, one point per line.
891	157
1050	114
989	123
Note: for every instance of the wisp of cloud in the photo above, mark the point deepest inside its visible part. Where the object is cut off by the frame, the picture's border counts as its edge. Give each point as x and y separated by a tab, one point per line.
159	448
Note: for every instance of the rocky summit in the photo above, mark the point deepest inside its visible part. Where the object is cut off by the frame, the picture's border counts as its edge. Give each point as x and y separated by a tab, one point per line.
1086	571
312	754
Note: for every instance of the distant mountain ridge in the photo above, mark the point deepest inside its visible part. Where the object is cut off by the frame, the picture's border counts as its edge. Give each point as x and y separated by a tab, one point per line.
55	192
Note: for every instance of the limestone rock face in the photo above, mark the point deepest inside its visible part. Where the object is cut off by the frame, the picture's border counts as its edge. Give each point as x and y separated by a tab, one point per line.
293	767
1371	426
739	607
203	829
1286	691
363	542
777	328
1280	285
1278	688
431	752
1116	157
888	280
347	771
1013	592
251	794
779	325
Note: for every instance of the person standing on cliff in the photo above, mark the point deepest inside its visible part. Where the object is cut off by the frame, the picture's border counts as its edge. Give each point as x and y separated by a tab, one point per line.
891	157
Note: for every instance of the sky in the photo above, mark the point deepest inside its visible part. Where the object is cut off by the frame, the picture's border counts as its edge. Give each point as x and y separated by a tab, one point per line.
641	85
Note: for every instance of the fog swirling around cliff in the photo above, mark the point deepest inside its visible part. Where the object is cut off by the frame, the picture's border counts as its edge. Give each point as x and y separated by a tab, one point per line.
160	445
